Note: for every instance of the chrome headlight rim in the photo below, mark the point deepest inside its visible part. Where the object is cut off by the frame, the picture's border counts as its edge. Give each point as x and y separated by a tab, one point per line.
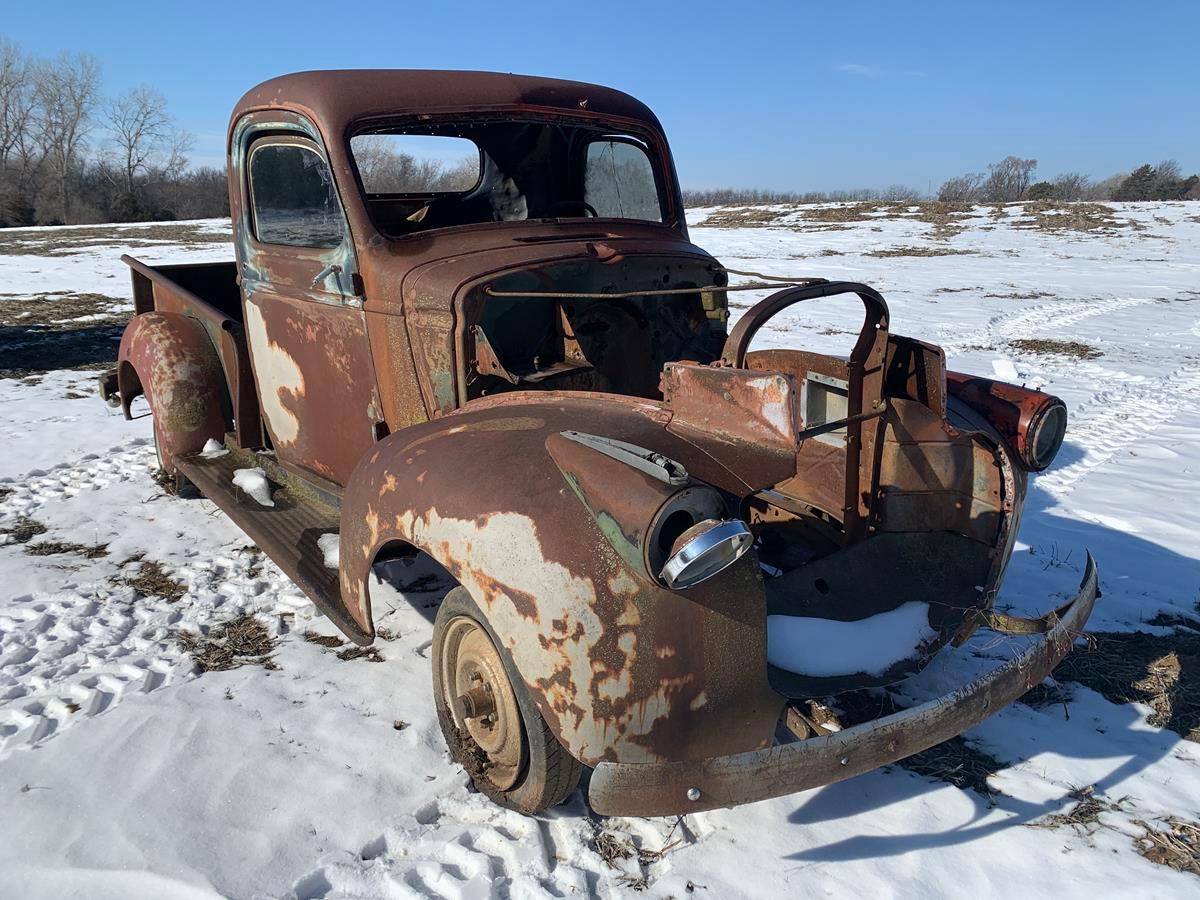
1042	445
706	549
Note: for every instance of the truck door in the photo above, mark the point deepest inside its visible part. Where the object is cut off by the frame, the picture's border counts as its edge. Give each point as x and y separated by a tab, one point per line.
304	321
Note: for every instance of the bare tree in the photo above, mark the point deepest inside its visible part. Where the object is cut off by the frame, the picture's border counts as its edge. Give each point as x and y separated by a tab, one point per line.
145	140
962	189
1009	179
1070	186
66	91
19	157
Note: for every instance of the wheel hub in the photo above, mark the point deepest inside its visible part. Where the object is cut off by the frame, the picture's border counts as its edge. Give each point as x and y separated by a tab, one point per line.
481	700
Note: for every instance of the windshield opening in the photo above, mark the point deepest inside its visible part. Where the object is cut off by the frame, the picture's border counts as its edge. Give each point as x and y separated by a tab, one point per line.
426	176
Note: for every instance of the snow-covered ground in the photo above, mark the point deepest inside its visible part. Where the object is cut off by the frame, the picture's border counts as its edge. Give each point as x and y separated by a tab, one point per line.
125	772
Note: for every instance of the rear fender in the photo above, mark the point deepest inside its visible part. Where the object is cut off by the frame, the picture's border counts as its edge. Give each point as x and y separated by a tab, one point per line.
620	667
169	358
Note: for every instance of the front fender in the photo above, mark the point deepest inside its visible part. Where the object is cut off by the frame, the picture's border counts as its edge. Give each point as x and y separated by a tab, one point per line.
169	358
620	667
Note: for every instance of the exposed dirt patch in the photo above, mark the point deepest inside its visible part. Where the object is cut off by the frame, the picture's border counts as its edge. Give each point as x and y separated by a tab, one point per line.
954	761
244	641
1161	671
1176	846
64	242
53	548
1047	347
152	581
59	331
889	252
24	530
5	492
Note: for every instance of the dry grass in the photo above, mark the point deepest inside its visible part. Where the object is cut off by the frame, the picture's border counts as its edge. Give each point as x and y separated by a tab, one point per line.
152	581
53	548
323	640
1084	816
1022	295
954	761
889	252
1047	347
1081	217
370	654
244	641
25	530
1161	671
64	242
1176	846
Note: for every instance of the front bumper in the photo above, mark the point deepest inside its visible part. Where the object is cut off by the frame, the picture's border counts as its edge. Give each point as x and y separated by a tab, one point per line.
660	789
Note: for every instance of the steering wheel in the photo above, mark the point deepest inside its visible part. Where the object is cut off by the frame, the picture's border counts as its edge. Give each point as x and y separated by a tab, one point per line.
580	204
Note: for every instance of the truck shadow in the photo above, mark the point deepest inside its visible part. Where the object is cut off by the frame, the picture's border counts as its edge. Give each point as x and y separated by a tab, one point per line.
1141	581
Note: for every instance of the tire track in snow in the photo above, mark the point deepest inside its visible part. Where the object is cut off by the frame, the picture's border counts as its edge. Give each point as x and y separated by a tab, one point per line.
1060	314
1113	419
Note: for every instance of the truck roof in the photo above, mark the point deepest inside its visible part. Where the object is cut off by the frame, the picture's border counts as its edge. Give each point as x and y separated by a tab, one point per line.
335	98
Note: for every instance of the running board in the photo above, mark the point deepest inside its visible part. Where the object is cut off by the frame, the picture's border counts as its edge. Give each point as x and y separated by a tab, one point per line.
287	532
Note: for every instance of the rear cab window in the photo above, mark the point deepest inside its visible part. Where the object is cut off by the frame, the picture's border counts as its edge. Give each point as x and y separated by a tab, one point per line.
619	180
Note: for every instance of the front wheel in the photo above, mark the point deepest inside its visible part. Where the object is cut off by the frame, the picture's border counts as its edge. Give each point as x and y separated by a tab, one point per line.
492	726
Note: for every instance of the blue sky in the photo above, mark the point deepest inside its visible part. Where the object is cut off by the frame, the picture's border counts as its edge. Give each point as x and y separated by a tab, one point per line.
800	95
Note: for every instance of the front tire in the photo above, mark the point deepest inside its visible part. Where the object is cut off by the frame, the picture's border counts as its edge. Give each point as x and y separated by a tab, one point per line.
492	726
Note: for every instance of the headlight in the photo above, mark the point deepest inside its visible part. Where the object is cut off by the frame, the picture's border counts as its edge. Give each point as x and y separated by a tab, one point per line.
1045	436
705	549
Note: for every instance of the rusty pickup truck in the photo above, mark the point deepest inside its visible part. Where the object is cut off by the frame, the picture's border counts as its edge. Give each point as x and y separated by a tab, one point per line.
508	357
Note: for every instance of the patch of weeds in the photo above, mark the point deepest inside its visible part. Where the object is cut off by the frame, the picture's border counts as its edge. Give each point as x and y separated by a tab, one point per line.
1177	846
1084	816
828	252
244	641
323	640
52	548
955	761
889	252
370	654
152	581
1046	346
1021	295
1082	217
615	848
1161	671
950	290
5	493
25	530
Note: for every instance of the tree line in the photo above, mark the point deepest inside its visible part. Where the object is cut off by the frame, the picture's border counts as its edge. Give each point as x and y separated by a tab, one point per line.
1012	179
69	155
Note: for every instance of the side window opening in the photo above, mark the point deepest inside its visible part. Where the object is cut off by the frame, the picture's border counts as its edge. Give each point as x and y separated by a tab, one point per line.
293	196
619	180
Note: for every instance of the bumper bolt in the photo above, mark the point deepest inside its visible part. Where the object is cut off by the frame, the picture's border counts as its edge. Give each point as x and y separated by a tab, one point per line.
693	794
